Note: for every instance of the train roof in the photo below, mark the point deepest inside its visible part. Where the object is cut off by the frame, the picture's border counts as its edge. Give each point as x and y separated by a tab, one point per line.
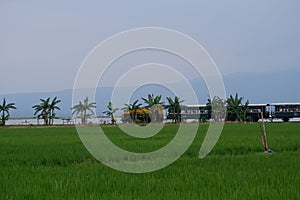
285	104
258	104
200	105
251	105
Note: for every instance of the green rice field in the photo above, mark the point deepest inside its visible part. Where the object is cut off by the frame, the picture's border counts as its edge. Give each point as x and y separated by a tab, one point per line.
52	163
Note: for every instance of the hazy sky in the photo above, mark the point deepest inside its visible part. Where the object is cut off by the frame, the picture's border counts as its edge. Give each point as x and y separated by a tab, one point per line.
43	43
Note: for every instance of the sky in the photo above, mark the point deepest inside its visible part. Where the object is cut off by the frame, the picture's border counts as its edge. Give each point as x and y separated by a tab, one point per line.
43	43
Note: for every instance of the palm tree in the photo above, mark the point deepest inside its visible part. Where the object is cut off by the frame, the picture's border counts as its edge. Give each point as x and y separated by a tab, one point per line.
4	108
44	110
174	108
236	109
132	109
78	109
110	112
83	109
155	107
52	107
243	111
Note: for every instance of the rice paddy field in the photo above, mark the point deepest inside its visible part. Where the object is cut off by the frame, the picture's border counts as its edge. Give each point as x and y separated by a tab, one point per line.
52	163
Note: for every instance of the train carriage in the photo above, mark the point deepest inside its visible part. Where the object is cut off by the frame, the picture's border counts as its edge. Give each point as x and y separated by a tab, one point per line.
196	112
255	110
285	111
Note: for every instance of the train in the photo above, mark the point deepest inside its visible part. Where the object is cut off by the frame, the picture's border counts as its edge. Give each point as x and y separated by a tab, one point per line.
283	111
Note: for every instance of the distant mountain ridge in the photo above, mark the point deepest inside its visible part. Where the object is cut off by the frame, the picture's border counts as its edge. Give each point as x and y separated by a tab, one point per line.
268	87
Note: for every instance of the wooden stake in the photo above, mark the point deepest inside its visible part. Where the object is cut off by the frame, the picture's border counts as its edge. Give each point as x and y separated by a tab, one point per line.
264	133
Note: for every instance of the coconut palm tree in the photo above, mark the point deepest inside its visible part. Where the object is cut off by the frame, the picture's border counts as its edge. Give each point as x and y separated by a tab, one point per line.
132	109
155	107
236	109
52	107
174	107
110	112
78	110
83	108
4	108
44	110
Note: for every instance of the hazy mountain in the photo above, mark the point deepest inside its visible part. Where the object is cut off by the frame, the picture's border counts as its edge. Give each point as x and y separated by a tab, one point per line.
257	87
25	101
271	87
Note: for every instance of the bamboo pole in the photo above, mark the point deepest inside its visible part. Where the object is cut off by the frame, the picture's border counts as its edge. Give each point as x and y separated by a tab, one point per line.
264	134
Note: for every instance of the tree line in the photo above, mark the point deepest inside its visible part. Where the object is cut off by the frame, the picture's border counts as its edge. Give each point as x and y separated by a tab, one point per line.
135	112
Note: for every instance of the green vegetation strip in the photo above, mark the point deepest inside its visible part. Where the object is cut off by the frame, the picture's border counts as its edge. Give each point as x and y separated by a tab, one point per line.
52	163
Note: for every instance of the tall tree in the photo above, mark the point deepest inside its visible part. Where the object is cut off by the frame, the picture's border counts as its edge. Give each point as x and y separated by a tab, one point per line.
44	110
243	111
78	110
110	112
4	108
236	109
174	107
155	107
84	109
132	109
53	106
